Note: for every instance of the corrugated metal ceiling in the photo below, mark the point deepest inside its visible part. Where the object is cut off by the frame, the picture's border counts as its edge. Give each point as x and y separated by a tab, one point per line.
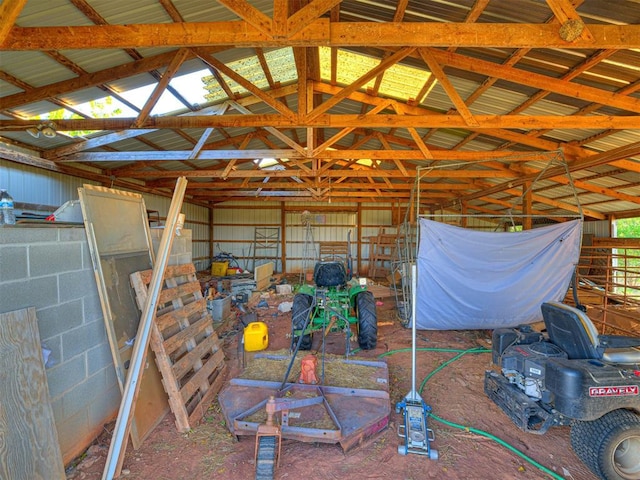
619	70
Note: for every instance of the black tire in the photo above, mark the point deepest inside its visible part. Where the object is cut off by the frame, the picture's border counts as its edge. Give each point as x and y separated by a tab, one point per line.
610	445
266	458
300	312
367	321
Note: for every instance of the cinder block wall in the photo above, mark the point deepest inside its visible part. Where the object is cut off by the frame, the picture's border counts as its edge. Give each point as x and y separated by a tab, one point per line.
181	248
50	269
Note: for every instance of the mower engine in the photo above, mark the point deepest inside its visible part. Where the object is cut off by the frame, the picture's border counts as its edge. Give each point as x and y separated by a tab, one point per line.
522	355
524	365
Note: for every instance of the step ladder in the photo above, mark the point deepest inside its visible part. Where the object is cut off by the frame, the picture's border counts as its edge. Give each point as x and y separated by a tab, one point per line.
266	246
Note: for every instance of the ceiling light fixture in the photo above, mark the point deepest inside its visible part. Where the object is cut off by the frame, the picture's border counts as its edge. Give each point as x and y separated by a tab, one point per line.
33	131
47	129
48	132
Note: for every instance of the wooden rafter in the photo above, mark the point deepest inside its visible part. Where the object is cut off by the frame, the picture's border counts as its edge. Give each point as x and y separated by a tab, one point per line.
256	32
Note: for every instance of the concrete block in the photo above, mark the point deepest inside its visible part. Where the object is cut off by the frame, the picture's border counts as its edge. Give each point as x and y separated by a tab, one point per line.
99	358
78	284
13	263
54	258
105	407
23	236
92	309
79	340
82	395
86	257
65	375
72	234
182	259
60	318
34	292
56	406
69	430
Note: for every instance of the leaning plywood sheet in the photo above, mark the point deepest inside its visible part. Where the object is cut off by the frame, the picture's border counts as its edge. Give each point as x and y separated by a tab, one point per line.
120	244
187	348
29	447
262	275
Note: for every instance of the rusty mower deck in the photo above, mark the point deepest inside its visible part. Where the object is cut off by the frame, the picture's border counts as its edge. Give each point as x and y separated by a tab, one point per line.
317	413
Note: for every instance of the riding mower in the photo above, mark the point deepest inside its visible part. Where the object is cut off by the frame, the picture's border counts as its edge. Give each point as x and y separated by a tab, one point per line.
333	304
570	375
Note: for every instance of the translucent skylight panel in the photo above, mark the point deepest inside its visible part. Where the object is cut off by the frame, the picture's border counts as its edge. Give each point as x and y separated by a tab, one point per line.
192	86
399	81
282	65
106	107
165	104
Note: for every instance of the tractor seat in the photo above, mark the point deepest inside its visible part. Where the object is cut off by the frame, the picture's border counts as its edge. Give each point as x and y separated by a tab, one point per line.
573	331
329	274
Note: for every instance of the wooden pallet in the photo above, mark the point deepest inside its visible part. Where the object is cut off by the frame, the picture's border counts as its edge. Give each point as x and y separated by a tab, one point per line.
187	348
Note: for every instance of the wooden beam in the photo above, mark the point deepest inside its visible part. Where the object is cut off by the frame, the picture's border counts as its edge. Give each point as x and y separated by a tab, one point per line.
541	82
318	33
264	96
307	14
180	56
572	26
438	72
486	122
9	11
300	173
273	131
598	159
380	154
86	81
381	67
250	14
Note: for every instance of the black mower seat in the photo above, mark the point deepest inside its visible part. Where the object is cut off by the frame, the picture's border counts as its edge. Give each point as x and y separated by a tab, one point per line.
329	274
573	331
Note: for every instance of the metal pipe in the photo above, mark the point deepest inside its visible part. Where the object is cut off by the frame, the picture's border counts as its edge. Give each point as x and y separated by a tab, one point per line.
414	283
138	356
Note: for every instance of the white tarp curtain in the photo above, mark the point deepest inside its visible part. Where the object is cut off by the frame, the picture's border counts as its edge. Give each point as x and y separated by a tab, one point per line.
484	280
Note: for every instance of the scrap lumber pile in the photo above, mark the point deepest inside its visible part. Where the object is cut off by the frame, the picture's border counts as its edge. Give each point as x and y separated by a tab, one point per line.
187	348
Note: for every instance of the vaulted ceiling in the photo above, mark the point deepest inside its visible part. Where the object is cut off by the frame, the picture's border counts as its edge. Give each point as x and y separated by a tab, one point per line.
492	104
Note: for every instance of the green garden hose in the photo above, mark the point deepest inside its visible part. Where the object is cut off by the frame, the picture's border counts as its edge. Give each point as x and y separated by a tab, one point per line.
460	354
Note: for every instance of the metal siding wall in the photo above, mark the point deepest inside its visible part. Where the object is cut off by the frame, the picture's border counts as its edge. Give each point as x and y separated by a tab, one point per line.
33	185
325	227
372	222
599	229
234	229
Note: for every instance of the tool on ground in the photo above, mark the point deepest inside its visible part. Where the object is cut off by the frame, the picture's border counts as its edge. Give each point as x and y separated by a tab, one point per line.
414	430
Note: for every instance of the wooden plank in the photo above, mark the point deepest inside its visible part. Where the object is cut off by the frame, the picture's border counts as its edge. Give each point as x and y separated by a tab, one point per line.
262	275
214	362
201	408
194	330
172	294
185	364
175	316
29	445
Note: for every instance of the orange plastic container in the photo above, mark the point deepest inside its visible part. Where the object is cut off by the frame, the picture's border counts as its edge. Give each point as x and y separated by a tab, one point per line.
256	337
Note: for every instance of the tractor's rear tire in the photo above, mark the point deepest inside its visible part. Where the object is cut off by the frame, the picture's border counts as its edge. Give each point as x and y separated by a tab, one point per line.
610	445
367	321
300	312
266	458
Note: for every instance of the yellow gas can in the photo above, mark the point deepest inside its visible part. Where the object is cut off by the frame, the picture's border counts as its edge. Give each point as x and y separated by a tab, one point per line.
256	336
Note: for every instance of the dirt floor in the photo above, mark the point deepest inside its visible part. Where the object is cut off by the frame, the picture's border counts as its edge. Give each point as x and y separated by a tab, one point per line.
455	394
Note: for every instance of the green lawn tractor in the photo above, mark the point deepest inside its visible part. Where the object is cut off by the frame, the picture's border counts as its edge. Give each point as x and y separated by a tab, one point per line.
333	304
